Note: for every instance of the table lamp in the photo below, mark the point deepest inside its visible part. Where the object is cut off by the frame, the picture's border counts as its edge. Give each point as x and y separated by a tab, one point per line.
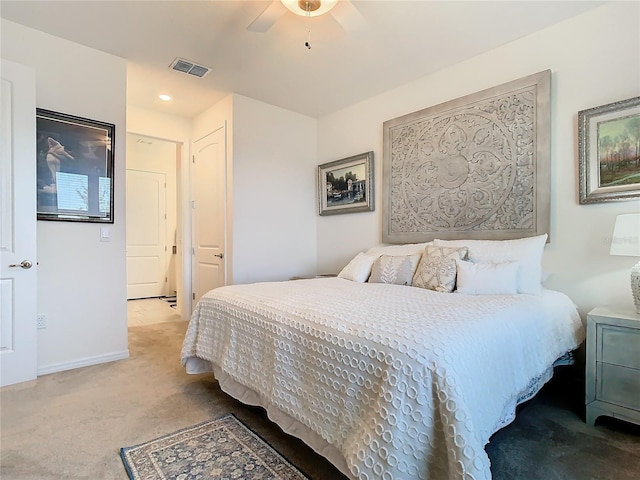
626	242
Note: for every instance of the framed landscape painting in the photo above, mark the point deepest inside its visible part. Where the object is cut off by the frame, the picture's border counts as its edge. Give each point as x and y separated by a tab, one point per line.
74	168
346	185
609	152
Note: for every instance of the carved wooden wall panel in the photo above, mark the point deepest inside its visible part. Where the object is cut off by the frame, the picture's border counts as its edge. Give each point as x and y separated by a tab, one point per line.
475	167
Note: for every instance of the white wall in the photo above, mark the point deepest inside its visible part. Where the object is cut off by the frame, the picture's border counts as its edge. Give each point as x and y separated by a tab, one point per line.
81	280
271	158
158	125
594	61
274	160
177	130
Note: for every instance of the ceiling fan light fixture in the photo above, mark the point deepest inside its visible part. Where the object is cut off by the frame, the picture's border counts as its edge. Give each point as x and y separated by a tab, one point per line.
309	8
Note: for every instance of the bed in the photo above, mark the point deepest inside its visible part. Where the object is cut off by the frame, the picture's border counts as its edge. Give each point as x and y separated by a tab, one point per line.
388	380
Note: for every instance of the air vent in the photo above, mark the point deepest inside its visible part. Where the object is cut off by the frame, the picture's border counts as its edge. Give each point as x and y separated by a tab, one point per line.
190	68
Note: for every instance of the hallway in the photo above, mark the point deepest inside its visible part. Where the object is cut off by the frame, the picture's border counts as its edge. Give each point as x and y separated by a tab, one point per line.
148	311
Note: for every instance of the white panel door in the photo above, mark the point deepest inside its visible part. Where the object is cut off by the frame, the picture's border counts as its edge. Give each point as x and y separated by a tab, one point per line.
146	234
18	335
208	188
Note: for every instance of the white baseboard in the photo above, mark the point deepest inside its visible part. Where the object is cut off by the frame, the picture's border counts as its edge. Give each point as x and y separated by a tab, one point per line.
83	362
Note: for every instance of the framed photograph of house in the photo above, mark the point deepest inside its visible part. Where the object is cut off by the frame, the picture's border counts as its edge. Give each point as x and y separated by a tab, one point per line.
609	152
74	168
346	185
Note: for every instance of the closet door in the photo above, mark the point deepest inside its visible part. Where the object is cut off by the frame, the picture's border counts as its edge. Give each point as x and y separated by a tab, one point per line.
208	186
146	234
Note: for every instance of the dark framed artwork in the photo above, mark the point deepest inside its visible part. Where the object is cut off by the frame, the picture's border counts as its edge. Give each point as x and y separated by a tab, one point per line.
475	167
609	152
74	168
346	185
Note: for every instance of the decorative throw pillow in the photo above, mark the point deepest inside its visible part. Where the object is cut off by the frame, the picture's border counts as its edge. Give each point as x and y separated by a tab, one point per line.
487	278
437	268
359	268
527	251
398	270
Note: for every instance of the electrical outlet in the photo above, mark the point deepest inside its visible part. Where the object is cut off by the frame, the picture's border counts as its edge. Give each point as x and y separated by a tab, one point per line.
41	320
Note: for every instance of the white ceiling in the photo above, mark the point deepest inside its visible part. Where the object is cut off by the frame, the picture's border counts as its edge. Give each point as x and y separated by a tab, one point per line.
400	42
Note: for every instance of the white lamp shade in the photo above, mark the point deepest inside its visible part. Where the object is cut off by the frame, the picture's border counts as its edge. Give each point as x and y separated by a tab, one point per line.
626	235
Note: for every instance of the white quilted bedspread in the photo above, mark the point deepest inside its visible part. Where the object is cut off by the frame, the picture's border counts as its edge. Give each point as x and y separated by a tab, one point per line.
405	382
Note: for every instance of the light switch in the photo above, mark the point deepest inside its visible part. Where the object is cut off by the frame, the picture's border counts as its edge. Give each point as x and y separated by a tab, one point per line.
105	233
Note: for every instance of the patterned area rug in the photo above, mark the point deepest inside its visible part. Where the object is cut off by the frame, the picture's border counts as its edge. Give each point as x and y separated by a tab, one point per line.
218	449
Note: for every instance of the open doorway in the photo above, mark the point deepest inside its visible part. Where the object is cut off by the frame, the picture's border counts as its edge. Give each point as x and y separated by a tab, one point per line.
153	221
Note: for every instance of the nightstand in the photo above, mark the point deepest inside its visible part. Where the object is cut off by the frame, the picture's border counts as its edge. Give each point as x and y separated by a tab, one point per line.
613	365
320	275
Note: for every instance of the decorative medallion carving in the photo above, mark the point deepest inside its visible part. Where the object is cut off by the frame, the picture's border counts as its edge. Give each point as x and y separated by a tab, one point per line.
474	167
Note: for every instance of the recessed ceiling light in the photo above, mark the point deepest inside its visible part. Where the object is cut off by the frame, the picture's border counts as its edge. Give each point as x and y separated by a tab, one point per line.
164	97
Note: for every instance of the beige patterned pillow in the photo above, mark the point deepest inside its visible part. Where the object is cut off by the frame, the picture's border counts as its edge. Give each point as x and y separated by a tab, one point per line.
398	270
437	268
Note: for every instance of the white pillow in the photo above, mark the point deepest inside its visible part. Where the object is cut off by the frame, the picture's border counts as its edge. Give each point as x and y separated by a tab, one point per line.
359	268
395	269
487	278
526	251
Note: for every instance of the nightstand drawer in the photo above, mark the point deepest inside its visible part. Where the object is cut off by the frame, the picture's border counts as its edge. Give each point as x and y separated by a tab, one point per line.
619	385
619	346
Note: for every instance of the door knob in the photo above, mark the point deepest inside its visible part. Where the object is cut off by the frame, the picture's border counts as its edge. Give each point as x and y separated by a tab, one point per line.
219	255
26	264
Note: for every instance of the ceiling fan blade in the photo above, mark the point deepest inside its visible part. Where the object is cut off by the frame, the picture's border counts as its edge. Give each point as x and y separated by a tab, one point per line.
348	16
266	19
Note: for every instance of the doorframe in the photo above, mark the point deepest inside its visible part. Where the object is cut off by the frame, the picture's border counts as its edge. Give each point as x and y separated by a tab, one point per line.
184	286
184	212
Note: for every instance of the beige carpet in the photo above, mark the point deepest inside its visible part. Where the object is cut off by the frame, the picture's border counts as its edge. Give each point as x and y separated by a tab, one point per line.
71	425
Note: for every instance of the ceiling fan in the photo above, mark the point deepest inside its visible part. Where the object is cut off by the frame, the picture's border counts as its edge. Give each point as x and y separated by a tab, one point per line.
343	11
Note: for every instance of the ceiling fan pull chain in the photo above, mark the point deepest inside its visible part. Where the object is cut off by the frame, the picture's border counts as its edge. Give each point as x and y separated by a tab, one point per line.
308	42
